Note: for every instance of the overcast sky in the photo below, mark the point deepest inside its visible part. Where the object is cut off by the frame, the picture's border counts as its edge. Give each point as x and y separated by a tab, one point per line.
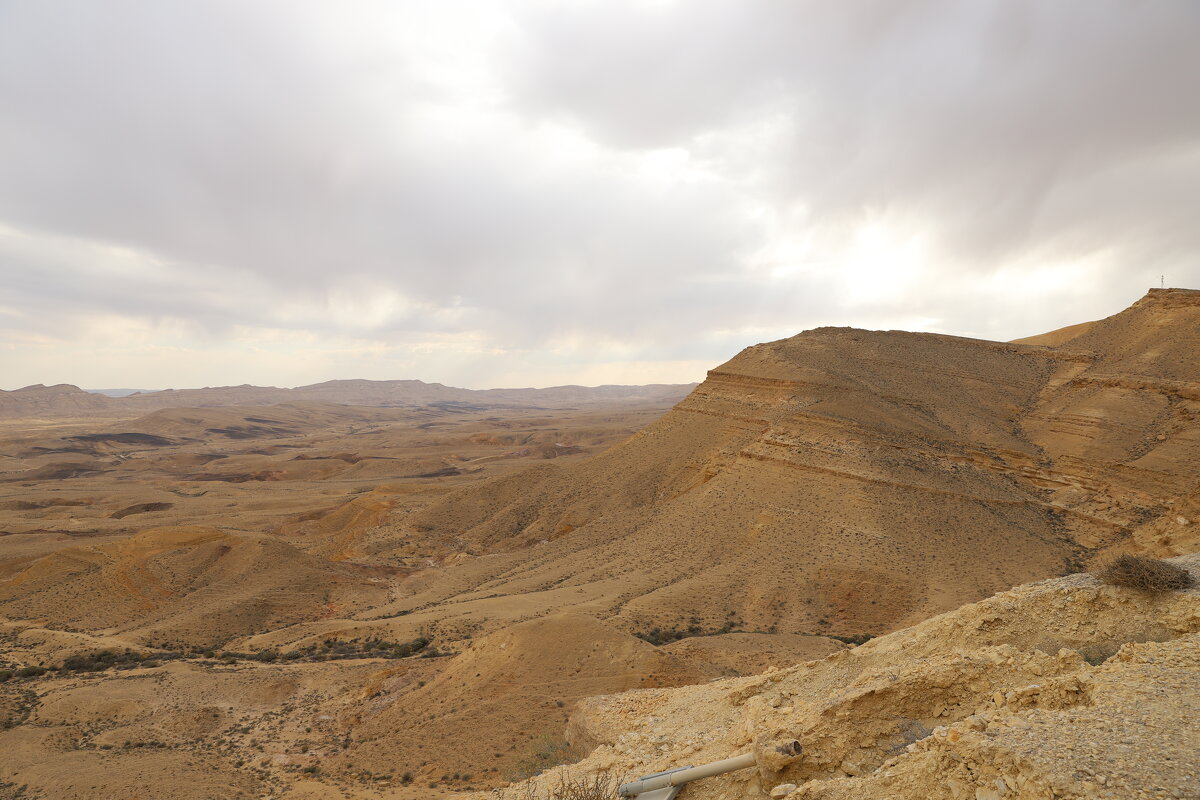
506	193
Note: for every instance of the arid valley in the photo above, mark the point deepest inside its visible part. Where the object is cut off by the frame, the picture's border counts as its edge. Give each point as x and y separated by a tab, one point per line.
401	590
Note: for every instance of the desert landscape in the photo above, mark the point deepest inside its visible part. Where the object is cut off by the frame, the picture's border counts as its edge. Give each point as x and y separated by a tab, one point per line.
398	590
601	400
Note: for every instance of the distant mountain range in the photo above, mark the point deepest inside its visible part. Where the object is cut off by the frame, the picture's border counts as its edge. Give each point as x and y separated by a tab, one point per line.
64	400
119	392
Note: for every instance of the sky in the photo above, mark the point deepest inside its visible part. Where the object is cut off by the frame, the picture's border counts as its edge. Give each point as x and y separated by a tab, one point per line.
533	193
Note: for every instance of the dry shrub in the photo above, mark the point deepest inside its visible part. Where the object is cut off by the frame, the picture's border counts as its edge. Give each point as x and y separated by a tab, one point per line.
545	752
1145	574
588	787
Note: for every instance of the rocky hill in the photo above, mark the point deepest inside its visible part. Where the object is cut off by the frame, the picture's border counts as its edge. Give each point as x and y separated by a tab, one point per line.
846	481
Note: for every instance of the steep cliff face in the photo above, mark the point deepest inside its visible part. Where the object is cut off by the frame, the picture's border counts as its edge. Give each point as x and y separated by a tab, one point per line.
1119	422
846	481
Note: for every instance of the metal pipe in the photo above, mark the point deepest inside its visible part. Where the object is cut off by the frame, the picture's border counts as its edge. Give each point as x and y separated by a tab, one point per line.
677	777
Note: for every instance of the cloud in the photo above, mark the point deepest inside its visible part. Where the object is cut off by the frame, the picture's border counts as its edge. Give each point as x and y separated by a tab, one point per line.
994	122
479	191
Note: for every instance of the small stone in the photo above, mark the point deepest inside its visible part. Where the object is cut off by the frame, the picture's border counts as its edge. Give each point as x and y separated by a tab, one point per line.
1182	521
783	790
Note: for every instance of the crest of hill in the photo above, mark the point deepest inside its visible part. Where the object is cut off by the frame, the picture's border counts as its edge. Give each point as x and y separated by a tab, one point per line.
1157	338
846	481
1056	337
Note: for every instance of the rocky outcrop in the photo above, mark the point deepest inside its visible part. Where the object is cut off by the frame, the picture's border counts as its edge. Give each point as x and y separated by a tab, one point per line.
1066	688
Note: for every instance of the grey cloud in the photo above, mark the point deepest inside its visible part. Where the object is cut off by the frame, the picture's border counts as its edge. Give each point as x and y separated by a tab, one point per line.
1002	121
264	157
215	141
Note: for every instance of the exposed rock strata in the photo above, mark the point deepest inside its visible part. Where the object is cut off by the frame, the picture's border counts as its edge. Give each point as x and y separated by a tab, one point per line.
882	476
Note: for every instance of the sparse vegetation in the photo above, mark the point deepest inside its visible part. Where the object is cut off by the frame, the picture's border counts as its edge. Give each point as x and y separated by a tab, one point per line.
855	639
593	787
660	636
545	752
335	649
1144	574
104	659
329	650
1072	565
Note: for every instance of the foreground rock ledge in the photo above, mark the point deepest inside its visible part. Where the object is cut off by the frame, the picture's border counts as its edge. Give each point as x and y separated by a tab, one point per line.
1065	688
